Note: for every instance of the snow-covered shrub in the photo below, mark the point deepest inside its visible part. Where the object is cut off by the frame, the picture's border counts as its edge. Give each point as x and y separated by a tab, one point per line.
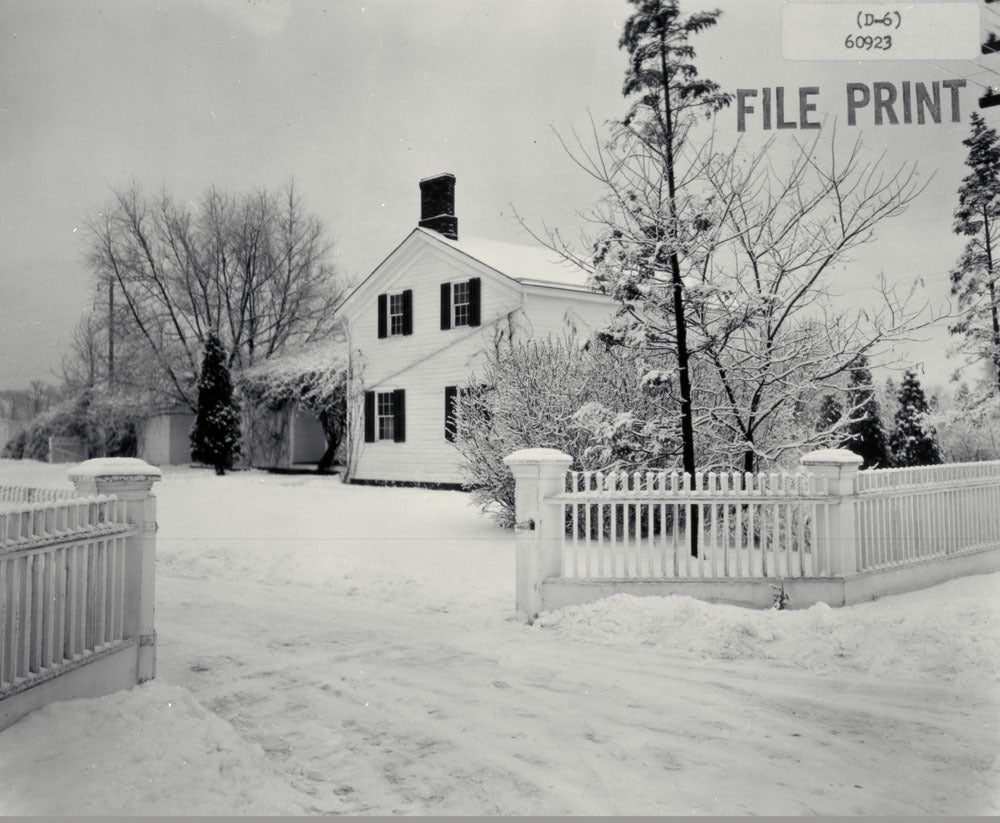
565	394
968	426
104	421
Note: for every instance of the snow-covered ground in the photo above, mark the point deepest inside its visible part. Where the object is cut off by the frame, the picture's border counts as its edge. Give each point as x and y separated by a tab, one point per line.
335	649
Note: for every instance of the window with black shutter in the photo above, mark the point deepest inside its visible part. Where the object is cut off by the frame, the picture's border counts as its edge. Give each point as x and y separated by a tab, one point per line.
385	416
395	314
461	303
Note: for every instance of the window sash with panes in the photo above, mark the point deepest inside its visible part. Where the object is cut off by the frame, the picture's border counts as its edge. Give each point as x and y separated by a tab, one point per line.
386	416
461	303
396	313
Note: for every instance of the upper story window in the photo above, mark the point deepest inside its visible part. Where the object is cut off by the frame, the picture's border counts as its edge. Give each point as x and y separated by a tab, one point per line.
460	303
395	314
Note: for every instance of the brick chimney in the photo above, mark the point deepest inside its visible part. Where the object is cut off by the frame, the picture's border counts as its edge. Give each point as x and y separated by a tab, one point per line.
437	205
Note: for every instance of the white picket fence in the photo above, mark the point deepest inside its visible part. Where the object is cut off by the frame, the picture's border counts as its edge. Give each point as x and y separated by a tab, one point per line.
829	530
76	586
62	585
14	496
905	516
643	525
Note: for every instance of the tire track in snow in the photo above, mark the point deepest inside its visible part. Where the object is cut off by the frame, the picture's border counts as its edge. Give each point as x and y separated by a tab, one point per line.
378	709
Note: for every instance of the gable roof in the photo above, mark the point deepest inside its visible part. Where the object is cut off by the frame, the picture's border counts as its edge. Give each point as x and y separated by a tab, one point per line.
527	265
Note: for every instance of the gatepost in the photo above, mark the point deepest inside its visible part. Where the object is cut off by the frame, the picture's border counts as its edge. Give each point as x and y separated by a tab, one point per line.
840	468
131	480
539	475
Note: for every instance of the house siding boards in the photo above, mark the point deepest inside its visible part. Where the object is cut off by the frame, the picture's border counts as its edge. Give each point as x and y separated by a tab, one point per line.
422	364
555	311
384	358
425	456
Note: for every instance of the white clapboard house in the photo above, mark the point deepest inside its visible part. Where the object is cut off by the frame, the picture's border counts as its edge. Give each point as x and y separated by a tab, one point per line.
420	322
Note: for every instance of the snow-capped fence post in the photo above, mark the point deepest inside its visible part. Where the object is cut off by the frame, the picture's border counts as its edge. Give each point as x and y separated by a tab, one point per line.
838	542
539	474
131	480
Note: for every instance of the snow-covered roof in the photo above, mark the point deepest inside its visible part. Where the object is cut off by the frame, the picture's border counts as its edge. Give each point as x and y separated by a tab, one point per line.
526	264
329	354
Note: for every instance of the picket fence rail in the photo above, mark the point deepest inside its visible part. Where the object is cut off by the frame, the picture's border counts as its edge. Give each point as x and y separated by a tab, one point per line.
737	536
76	585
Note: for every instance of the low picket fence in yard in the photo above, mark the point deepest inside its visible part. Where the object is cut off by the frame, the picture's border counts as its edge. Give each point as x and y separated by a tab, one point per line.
827	533
29	494
76	586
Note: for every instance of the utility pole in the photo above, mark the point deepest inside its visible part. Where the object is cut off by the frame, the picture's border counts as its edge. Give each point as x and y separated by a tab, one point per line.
111	333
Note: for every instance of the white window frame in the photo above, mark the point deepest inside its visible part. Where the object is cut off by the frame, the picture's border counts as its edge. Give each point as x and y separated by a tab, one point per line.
465	304
396	314
385	416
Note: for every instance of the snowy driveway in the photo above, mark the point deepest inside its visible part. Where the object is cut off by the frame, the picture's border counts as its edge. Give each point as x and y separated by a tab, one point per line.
364	638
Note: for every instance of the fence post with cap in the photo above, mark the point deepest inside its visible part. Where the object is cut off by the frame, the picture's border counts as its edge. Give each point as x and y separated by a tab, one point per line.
539	475
840	469
131	480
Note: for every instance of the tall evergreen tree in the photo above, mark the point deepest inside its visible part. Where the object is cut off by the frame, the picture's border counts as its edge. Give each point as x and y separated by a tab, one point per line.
913	441
663	83
865	435
666	95
973	280
215	437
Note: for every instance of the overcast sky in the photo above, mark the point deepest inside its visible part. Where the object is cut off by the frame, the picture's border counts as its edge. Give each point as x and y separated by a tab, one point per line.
356	101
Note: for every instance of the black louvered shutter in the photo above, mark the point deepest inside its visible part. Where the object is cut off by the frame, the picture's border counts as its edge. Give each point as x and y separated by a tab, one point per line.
446	306
399	415
369	417
383	315
408	311
450	428
475	289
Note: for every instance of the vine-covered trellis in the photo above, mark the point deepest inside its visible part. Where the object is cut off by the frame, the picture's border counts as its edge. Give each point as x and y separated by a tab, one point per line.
314	379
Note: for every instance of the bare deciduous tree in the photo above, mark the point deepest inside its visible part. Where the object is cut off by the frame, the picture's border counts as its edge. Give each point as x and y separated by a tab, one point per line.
251	268
763	305
756	241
